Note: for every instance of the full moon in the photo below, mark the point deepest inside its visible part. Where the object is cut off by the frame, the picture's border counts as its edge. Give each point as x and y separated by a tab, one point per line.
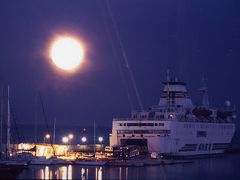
67	53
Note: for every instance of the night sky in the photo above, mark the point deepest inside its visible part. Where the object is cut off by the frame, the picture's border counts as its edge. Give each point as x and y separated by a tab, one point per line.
191	38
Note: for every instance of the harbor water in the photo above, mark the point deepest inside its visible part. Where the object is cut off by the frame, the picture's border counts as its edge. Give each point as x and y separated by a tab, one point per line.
223	167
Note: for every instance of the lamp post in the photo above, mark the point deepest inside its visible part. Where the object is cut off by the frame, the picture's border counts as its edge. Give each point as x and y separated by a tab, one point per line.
100	139
46	138
84	140
70	136
65	140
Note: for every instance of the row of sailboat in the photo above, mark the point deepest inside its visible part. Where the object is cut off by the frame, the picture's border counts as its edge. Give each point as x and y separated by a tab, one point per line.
10	167
15	162
7	147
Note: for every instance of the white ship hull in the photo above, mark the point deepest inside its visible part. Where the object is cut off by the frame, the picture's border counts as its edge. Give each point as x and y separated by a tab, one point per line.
177	138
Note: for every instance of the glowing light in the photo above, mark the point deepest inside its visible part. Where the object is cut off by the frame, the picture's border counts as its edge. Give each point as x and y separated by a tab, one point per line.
69	172
84	139
70	136
46	172
24	146
99	173
41	151
64	172
100	139
170	116
83	175
47	136
67	53
65	139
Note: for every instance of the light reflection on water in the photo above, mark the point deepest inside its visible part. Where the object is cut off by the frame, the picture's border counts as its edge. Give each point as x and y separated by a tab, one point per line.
62	172
213	168
83	173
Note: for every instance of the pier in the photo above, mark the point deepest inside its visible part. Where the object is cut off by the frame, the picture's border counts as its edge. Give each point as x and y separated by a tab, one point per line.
87	155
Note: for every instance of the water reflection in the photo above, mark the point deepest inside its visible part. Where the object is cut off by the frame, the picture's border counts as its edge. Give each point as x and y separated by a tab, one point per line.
46	173
41	174
83	173
99	174
62	172
197	170
69	172
126	173
120	173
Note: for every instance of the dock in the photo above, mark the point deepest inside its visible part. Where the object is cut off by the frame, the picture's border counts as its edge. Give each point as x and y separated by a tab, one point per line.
146	162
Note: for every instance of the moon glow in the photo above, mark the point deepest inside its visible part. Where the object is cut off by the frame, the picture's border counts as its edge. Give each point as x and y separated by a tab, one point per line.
67	53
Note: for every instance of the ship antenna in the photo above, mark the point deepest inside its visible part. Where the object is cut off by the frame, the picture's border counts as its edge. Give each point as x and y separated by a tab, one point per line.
1	121
168	94
204	90
168	75
8	121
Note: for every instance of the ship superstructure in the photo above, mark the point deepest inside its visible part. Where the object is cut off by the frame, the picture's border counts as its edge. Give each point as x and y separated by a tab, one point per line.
175	126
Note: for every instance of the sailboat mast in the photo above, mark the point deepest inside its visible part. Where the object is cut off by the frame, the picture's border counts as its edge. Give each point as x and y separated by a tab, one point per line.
8	122
45	118
1	120
54	129
35	118
94	137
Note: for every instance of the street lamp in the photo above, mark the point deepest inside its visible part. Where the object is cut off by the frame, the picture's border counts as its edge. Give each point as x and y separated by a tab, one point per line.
100	139
65	139
70	136
46	138
83	139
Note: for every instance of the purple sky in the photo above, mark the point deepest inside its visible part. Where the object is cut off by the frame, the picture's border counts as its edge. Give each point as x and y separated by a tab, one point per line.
192	38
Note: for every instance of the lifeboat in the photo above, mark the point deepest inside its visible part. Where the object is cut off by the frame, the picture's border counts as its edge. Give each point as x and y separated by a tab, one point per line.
224	114
201	112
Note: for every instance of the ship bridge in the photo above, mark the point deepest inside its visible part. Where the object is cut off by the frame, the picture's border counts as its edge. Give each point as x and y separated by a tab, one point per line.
175	94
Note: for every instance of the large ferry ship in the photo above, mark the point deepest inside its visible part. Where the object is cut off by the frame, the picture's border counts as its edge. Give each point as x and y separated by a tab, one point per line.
175	126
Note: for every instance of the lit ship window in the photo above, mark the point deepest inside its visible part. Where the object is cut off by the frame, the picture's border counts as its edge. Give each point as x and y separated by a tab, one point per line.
170	116
140	124
167	132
